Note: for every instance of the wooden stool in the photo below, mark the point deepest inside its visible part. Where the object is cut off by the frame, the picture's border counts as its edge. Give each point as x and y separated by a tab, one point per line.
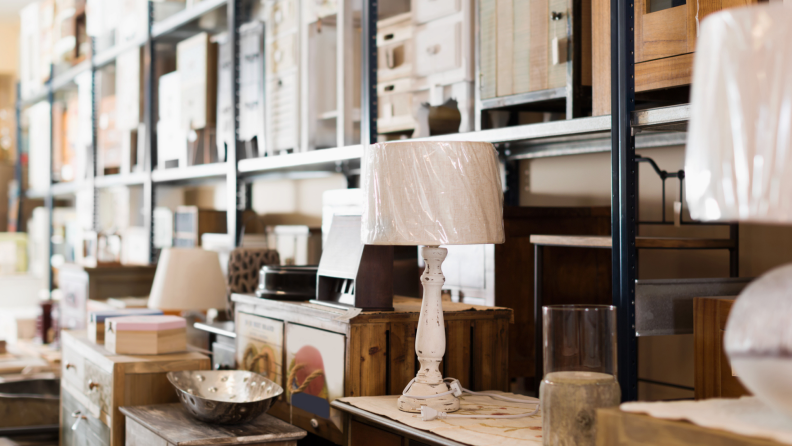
171	425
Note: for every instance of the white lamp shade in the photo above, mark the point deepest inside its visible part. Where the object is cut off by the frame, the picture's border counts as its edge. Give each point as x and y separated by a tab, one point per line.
188	279
432	193
738	163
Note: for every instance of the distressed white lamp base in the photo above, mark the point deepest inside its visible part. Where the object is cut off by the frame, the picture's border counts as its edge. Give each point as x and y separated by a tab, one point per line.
430	341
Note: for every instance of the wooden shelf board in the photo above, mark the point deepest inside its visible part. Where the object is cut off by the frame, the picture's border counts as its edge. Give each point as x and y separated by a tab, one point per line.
605	241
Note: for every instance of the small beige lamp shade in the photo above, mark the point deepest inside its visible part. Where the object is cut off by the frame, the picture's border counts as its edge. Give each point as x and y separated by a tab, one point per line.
432	193
188	279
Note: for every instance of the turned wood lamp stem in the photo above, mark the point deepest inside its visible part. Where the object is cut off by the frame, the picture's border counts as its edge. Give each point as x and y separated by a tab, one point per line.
430	341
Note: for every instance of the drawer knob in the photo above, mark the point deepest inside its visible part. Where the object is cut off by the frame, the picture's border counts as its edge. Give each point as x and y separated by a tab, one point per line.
92	385
314	423
556	15
79	416
69	365
434	49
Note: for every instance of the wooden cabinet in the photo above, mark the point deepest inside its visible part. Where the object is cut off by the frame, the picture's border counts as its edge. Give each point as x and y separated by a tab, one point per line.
377	348
96	383
665	40
714	377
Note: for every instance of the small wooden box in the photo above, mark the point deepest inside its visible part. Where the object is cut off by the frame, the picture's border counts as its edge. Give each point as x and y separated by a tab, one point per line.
146	335
378	350
96	320
96	383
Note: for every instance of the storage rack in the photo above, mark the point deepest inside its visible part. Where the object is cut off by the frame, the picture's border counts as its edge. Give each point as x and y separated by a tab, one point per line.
615	133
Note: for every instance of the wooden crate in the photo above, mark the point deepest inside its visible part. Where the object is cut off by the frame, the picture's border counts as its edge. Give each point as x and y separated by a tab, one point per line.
97	382
380	354
664	44
713	376
517	41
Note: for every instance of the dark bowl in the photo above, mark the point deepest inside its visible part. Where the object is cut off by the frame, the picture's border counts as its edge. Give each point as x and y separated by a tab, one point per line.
224	396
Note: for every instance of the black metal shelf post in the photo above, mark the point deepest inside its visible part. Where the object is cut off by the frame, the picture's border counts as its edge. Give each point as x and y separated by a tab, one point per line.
623	199
49	201
150	124
236	192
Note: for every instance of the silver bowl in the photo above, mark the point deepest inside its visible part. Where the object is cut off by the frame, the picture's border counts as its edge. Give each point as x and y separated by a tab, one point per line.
224	396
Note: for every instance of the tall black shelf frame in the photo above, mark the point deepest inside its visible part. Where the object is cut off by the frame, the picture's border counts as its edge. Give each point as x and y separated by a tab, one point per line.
619	128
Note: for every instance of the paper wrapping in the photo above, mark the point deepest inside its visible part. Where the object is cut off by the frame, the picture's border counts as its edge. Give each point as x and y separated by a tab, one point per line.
738	162
744	416
472	431
432	193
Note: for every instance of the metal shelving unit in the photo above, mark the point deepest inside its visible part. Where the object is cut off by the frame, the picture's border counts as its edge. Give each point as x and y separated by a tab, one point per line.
620	134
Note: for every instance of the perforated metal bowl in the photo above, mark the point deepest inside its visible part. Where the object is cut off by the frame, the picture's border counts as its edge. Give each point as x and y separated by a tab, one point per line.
224	396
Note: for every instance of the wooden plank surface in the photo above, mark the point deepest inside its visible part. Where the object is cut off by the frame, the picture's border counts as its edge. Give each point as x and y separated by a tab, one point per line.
539	57
172	423
402	355
505	47
601	79
488	47
521	46
456	362
663	34
617	428
664	73
604	241
712	374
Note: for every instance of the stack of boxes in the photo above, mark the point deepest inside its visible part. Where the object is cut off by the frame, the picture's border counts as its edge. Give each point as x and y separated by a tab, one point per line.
395	74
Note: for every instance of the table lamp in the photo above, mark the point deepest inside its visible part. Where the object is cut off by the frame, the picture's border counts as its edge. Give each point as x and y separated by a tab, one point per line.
738	166
431	193
188	279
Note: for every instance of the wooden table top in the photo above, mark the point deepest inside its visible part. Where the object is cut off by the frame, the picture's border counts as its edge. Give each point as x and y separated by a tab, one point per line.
172	423
394	426
605	241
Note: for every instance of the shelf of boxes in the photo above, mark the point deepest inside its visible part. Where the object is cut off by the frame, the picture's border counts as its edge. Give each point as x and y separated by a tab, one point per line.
182	18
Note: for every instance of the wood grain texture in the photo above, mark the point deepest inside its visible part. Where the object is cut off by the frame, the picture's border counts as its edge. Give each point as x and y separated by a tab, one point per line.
456	362
600	34
664	73
663	33
617	428
401	355
539	56
505	47
514	266
488	48
173	424
586	43
712	372
557	74
521	46
302	419
364	435
640	242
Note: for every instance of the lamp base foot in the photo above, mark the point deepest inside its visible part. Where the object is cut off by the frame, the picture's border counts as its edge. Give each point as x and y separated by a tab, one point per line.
445	403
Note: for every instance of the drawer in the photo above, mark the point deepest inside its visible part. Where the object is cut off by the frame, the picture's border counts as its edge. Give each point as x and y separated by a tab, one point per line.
281	16
89	432
395	60
98	387
395	112
72	367
426	10
282	54
438	48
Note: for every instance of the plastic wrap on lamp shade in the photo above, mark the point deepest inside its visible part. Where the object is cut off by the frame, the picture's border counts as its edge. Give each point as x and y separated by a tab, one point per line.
738	162
432	193
188	279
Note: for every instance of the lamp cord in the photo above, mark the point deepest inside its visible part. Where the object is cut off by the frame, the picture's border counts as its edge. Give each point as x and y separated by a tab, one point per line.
455	388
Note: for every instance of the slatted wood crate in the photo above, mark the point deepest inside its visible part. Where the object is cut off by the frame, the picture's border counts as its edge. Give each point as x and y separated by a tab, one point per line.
380	357
517	42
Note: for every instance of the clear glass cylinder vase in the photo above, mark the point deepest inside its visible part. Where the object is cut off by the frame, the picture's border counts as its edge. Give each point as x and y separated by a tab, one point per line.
580	369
